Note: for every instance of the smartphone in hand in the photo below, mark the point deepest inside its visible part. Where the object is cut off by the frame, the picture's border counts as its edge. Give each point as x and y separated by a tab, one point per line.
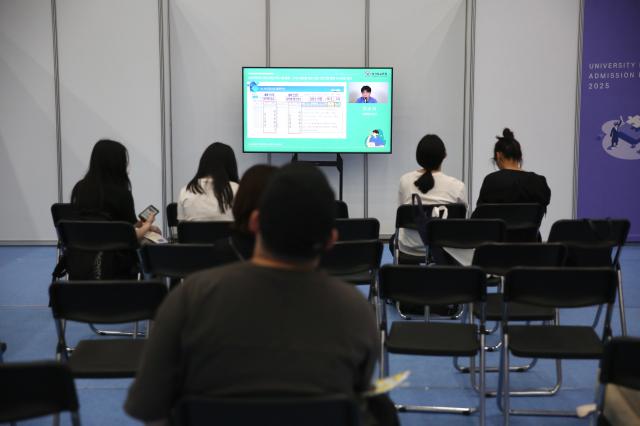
144	215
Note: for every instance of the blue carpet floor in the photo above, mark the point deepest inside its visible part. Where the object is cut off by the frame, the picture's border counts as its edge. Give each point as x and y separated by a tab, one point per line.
27	327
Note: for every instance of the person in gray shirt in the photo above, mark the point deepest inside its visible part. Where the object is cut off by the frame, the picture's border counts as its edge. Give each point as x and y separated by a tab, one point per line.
274	325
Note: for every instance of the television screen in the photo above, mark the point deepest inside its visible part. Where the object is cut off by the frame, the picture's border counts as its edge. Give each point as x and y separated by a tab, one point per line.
334	110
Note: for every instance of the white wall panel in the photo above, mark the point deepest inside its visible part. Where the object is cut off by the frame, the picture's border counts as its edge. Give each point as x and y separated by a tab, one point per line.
322	34
210	42
425	43
525	79
110	88
28	165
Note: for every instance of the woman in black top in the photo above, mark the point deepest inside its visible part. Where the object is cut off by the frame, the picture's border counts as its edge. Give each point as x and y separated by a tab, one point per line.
239	246
104	193
511	184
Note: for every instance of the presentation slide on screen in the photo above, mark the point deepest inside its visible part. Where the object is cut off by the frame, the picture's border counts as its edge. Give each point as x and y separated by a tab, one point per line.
317	109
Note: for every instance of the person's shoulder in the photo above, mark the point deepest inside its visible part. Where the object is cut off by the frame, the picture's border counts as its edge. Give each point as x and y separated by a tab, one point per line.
450	180
342	291
234	186
410	176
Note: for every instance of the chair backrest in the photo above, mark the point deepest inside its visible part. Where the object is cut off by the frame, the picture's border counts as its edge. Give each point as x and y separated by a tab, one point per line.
522	219
432	285
619	364
307	411
405	216
590	242
342	210
350	257
34	389
561	287
92	235
106	302
498	258
172	214
465	233
358	229
177	260
203	232
62	211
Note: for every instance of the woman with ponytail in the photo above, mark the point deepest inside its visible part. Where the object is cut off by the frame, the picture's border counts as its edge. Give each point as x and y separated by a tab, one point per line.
433	187
209	195
511	184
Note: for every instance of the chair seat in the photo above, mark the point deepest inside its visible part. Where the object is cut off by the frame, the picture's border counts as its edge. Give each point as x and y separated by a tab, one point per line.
410	259
556	342
517	311
419	338
106	358
362	277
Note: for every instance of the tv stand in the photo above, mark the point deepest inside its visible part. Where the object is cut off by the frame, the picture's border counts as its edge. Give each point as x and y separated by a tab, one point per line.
337	163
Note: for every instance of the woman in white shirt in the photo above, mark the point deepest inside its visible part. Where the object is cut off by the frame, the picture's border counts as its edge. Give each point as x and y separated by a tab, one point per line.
433	187
209	195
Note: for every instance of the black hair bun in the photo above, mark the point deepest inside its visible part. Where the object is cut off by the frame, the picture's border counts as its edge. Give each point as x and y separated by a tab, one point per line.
507	133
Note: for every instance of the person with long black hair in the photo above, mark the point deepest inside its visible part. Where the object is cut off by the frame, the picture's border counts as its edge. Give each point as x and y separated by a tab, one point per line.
511	184
433	187
105	190
239	245
104	193
209	195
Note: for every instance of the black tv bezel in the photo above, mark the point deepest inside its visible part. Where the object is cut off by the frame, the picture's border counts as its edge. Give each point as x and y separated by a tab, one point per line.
317	152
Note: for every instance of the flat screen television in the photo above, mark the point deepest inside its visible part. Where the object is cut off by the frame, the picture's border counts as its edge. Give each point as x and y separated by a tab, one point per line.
319	110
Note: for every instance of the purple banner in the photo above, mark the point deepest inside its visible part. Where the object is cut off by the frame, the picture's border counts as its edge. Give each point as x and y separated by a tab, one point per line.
609	160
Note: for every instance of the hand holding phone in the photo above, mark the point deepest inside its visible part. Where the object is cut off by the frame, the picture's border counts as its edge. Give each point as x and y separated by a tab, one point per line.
144	215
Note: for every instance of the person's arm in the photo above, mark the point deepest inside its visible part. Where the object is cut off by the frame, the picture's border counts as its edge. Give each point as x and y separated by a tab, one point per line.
365	373
545	191
144	226
484	192
462	195
159	378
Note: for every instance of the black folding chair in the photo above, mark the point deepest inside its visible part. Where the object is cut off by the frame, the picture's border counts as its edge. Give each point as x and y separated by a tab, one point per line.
434	285
34	389
176	261
172	221
209	232
356	262
496	259
464	234
100	250
342	210
358	229
619	367
405	219
553	288
267	411
594	242
522	219
91	241
108	302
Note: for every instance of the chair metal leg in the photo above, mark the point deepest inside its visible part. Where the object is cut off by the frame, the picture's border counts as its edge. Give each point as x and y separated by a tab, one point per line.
483	383
435	409
505	376
75	418
623	318
113	333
